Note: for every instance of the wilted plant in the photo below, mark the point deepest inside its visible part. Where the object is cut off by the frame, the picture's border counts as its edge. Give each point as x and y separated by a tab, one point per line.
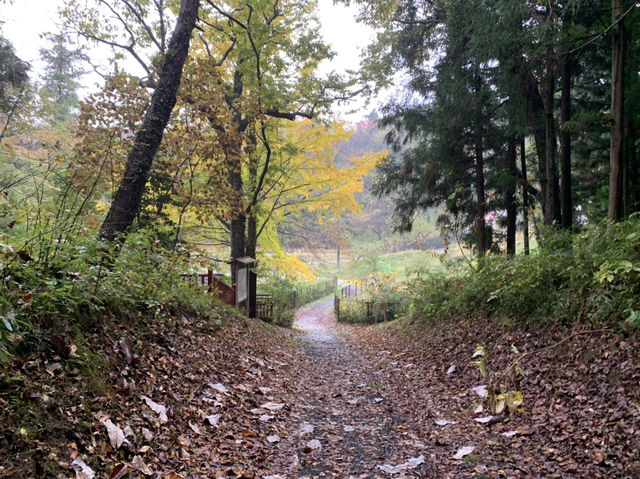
502	389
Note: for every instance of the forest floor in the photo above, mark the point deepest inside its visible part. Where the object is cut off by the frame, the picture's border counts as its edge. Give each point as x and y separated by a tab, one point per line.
234	398
405	400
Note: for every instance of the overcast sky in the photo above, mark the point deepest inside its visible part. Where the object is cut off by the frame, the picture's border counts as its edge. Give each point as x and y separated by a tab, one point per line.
25	21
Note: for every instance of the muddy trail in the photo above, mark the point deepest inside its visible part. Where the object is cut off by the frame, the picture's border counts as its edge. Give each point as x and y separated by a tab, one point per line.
344	423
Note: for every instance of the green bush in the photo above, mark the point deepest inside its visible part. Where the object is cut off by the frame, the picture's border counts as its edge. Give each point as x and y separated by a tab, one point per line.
353	312
82	280
592	277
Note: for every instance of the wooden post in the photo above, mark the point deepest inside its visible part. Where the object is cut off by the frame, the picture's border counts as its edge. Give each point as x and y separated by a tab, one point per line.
253	281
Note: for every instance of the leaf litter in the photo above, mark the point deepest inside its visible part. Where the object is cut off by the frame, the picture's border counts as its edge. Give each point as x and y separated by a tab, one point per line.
579	416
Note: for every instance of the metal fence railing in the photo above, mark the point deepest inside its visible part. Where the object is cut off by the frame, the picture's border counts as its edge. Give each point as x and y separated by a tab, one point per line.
300	296
361	311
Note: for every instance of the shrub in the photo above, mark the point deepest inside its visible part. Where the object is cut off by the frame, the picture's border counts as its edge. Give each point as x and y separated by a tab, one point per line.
83	281
592	276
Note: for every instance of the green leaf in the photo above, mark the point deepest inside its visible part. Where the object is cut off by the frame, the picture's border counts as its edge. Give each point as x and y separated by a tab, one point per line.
7	324
480	351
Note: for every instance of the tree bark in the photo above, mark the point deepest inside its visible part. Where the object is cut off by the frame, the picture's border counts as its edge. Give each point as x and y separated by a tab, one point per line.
480	223
552	213
565	145
633	202
127	200
617	113
535	110
252	226
252	236
509	196
234	158
481	227
525	196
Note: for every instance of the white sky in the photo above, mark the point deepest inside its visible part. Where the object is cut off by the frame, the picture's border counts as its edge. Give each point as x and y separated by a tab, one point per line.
26	20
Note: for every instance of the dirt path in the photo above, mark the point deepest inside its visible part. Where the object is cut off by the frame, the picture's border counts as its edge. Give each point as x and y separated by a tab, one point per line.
344	424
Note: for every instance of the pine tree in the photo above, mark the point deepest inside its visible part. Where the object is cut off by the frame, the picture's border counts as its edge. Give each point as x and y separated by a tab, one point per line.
61	79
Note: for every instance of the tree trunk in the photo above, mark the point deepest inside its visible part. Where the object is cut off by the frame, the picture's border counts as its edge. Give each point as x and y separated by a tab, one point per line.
525	196
234	160
509	196
536	123
481	211
632	162
480	223
127	200
552	214
617	113
565	145
252	236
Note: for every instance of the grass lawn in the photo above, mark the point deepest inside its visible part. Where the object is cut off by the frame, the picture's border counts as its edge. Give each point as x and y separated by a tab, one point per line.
403	264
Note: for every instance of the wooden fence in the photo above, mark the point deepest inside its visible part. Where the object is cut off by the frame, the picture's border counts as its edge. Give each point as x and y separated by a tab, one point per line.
287	300
212	285
264	307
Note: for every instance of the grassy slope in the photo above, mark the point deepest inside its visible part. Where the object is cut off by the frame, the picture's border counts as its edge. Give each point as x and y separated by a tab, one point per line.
402	264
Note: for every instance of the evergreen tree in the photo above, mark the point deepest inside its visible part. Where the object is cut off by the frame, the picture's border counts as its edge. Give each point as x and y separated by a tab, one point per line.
13	82
61	77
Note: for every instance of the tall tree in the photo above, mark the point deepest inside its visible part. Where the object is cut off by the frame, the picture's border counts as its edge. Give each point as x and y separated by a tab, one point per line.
14	78
126	203
565	144
13	73
510	169
616	157
61	76
270	52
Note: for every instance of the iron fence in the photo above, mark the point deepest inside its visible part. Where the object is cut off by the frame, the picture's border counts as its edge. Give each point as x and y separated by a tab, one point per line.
300	296
360	311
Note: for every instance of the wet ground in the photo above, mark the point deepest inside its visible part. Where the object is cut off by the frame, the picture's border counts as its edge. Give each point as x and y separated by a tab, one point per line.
345	425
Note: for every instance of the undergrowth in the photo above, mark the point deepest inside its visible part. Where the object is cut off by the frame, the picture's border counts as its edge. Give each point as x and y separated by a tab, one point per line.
81	282
591	277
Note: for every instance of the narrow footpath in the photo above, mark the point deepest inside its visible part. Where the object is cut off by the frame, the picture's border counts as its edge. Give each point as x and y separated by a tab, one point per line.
345	425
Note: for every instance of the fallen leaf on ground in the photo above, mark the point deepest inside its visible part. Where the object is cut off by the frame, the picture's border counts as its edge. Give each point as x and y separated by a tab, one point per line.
139	465
272	406
116	435
463	451
219	387
306	429
159	409
410	464
314	444
194	428
82	470
213	419
444	422
119	471
481	391
483	420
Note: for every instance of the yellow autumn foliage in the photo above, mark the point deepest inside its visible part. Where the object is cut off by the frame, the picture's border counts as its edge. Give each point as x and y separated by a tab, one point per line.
305	175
